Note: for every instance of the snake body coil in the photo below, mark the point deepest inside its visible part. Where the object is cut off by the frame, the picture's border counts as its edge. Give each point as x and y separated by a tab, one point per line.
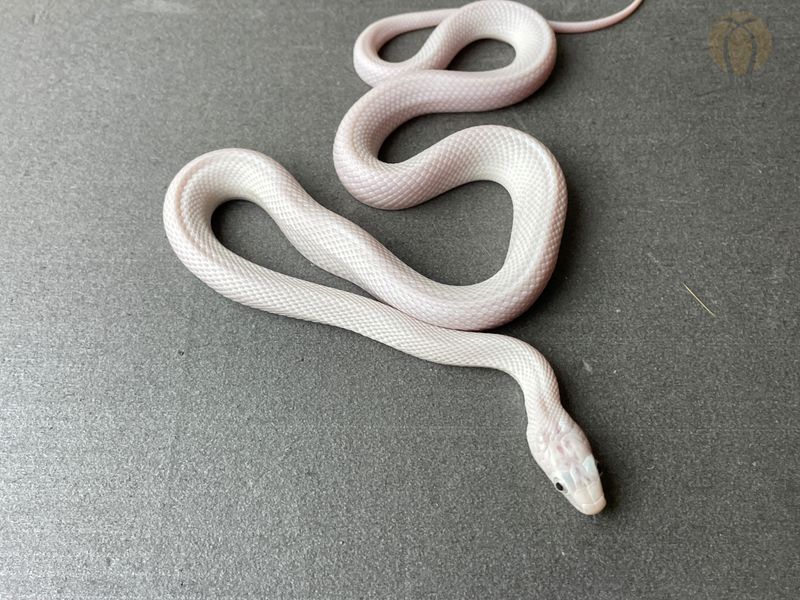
413	313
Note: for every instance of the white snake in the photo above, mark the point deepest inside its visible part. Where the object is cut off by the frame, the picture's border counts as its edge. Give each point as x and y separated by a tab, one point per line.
416	315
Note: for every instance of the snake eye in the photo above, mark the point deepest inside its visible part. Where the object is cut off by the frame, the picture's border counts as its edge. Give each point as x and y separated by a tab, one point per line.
559	486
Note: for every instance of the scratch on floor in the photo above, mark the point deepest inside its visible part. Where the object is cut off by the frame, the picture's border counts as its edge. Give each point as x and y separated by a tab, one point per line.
708	310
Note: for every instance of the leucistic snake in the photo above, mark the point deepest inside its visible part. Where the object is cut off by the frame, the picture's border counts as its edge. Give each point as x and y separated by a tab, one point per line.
412	313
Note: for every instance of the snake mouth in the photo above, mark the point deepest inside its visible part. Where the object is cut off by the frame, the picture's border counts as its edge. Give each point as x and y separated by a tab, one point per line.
592	508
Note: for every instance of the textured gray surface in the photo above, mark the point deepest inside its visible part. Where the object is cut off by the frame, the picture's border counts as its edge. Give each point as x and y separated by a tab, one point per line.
159	441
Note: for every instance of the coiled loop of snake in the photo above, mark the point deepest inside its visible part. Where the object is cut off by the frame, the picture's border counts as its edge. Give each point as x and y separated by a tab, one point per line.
506	156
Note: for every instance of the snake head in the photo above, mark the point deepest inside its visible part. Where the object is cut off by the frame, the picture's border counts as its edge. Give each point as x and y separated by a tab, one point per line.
567	459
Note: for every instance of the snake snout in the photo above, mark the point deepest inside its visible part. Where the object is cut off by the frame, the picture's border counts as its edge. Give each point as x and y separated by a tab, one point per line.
582	487
590	500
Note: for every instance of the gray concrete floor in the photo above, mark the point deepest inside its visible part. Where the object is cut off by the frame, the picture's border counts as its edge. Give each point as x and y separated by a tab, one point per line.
160	441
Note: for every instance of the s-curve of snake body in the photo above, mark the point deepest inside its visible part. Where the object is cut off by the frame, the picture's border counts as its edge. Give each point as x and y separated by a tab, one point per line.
412	313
